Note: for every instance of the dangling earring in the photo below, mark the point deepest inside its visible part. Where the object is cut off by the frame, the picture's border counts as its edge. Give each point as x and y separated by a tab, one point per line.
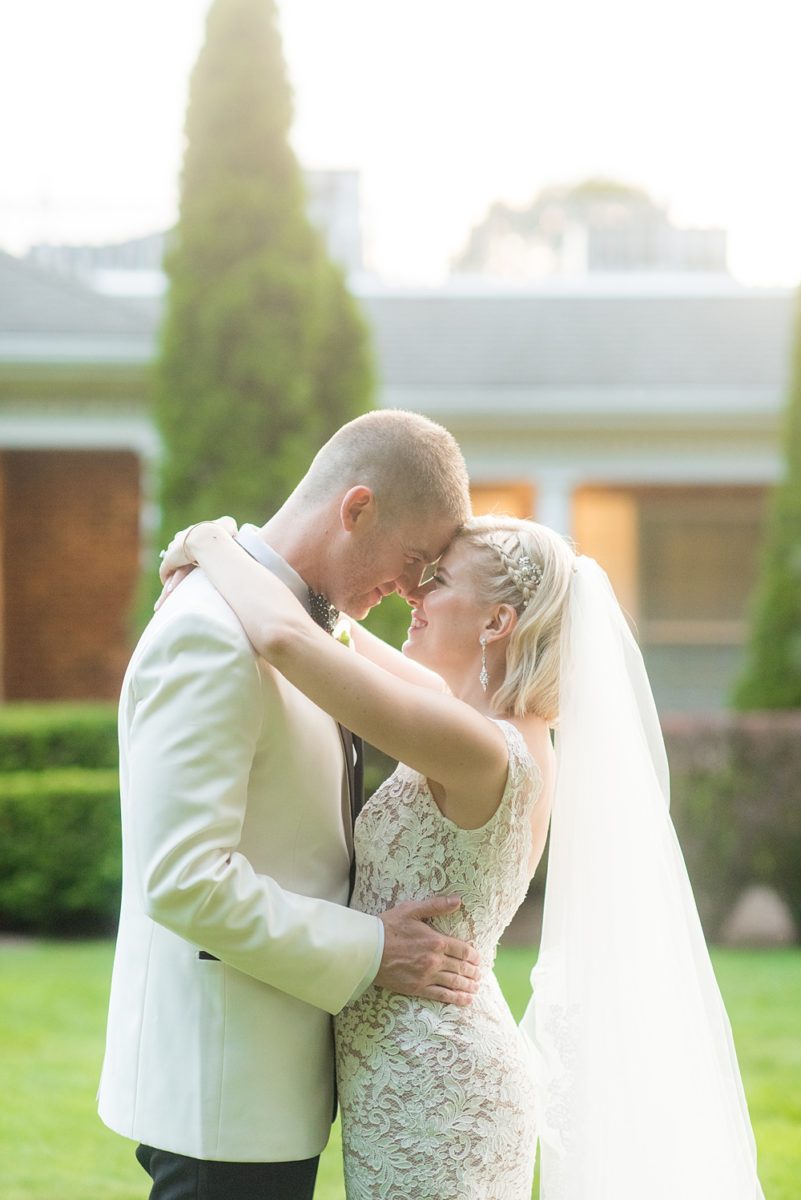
483	678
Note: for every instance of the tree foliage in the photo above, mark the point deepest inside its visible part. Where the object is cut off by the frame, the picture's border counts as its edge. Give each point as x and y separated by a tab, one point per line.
772	676
593	202
263	351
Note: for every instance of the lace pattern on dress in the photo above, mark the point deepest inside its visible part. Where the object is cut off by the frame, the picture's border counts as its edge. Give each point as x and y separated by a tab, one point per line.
437	1101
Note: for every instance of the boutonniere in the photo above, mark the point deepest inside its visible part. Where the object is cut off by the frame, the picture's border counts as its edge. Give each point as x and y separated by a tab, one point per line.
342	633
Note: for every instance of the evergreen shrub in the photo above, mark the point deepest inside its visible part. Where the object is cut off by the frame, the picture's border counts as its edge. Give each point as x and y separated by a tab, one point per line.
60	867
264	353
772	675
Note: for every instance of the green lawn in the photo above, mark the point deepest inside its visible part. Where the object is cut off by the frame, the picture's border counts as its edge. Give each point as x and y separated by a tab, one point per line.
52	1011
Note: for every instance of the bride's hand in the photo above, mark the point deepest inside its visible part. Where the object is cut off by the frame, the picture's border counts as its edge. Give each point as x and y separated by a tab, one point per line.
178	562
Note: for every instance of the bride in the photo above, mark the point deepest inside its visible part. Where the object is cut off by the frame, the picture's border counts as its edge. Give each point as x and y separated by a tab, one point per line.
624	1066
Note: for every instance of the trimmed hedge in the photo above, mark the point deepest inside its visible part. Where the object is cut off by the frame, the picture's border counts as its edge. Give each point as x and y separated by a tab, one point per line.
37	737
60	868
736	805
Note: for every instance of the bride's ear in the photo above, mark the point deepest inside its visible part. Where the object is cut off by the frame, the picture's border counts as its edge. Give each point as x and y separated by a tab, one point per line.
501	624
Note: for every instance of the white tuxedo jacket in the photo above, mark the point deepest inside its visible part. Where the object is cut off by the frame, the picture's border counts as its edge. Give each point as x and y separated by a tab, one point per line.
235	844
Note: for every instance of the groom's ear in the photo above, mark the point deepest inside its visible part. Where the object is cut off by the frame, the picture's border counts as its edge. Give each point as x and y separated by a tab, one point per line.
357	508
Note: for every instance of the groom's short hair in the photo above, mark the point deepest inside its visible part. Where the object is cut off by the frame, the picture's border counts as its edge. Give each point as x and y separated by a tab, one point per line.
413	466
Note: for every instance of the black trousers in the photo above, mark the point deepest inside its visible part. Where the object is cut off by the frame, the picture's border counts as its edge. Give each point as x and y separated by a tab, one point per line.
176	1177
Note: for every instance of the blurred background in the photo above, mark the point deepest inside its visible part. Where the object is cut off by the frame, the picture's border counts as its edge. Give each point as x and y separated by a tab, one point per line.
572	232
568	232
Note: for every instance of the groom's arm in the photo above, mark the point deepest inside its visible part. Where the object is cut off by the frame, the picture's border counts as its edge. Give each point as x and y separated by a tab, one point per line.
197	719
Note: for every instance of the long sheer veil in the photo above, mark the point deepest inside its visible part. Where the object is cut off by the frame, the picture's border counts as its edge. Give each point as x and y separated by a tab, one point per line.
640	1096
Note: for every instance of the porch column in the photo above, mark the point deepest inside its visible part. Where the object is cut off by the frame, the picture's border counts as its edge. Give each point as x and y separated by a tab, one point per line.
555	501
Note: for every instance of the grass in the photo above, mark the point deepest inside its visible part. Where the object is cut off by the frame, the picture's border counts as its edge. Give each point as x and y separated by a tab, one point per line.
52	1012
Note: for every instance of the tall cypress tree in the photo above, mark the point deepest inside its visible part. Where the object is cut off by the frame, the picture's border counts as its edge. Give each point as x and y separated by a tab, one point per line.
772	676
263	351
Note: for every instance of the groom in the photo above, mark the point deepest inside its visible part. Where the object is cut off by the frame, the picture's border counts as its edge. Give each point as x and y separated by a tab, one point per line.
235	942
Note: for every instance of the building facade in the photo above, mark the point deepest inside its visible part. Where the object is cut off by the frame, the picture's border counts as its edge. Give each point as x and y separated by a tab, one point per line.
641	418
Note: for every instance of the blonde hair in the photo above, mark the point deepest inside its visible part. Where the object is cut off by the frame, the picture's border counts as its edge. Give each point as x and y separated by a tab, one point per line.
531	683
413	466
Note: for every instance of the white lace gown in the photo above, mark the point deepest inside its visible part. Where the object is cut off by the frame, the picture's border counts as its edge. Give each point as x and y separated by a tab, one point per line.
437	1102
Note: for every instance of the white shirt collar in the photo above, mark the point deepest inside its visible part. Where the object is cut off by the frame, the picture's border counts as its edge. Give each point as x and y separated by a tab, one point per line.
251	540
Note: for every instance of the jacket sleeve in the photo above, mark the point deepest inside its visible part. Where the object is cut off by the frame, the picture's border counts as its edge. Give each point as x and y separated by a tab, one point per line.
196	721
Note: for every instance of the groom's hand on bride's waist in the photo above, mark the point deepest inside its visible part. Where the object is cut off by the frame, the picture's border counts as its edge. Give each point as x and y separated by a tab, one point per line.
420	961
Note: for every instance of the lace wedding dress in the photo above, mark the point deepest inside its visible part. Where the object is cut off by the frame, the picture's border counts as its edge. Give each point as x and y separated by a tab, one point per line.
437	1101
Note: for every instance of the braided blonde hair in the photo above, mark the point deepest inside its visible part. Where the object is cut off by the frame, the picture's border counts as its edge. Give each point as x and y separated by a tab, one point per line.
529	567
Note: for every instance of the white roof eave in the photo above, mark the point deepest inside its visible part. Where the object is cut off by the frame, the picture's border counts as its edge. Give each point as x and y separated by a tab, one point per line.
48	349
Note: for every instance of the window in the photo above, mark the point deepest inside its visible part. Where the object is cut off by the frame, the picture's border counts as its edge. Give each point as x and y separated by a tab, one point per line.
516	499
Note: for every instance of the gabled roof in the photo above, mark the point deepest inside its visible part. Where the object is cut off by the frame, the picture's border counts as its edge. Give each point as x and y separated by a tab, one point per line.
680	333
46	317
734	337
33	300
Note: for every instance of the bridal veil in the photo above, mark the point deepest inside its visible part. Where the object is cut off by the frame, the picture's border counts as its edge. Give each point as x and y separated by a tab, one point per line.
640	1096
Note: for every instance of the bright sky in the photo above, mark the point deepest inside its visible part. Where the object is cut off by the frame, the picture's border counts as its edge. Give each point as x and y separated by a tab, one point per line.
443	105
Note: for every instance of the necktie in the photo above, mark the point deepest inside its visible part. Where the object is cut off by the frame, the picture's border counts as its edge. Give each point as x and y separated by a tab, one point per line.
322	611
